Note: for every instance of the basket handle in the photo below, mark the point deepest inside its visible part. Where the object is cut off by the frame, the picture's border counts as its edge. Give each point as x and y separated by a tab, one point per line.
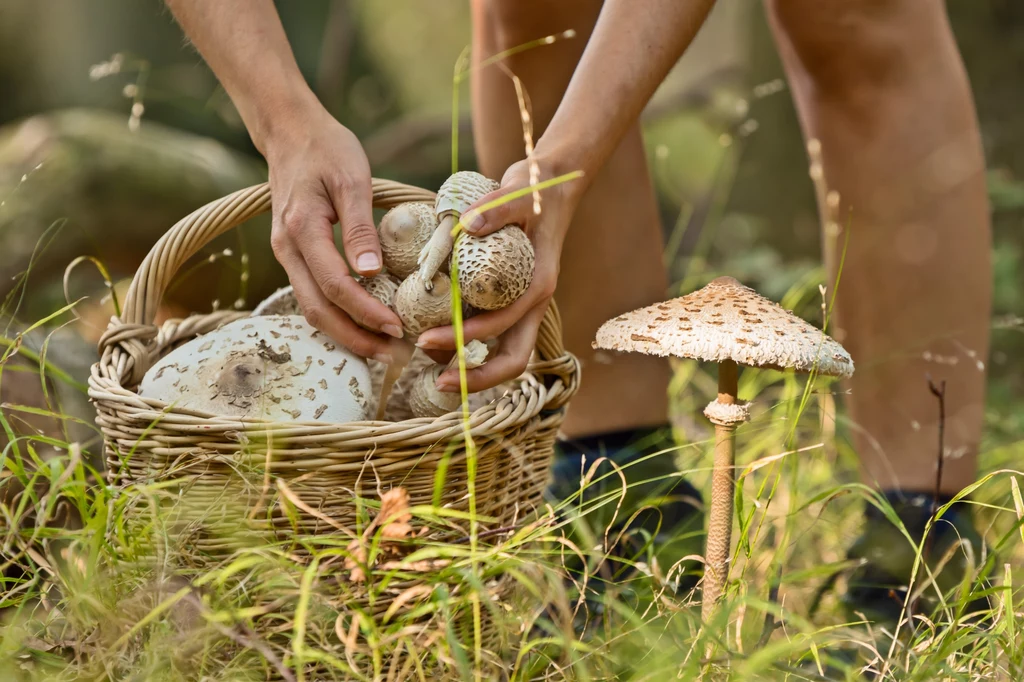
128	339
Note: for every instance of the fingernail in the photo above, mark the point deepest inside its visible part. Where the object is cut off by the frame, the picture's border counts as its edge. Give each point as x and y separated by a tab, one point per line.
392	330
425	344
476	224
445	387
383	358
367	262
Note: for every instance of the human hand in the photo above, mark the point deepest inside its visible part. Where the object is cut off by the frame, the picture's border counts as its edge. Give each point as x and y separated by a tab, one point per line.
515	326
319	175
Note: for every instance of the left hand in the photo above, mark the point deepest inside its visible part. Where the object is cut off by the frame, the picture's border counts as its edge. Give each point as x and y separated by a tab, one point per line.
516	326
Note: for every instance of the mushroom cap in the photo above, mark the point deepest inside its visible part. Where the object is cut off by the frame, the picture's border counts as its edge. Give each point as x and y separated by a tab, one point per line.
726	321
420	309
460	191
496	269
404	231
424	398
382	287
281	302
272	367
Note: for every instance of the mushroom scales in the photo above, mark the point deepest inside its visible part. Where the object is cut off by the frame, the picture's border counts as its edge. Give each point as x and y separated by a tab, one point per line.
496	269
404	231
270	367
458	193
730	324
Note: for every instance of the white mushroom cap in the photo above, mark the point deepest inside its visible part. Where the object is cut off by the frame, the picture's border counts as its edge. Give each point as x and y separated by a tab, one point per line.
460	191
726	321
421	309
404	231
281	302
273	367
496	269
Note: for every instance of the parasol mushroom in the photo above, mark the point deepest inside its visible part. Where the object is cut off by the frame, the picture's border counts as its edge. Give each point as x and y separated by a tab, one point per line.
496	269
271	367
730	324
459	192
404	231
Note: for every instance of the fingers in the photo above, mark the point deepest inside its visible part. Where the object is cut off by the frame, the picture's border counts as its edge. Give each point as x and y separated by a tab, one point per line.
352	196
313	237
508	363
480	223
324	315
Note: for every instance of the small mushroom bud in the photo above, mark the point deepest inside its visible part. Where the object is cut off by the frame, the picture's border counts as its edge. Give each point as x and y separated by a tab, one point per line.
420	308
382	287
459	192
424	398
404	231
270	367
496	269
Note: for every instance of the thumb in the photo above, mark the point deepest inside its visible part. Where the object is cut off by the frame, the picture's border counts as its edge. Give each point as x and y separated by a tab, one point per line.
491	213
353	201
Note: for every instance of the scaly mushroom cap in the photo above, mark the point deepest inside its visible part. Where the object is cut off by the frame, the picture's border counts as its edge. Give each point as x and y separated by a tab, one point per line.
421	309
496	269
459	192
382	287
726	321
272	367
404	231
281	302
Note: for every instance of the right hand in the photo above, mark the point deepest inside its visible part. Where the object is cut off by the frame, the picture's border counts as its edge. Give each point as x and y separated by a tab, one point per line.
319	175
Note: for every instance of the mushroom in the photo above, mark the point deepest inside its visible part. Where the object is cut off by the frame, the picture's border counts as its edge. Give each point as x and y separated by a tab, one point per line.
730	324
404	231
424	398
459	192
271	367
496	269
421	308
281	302
382	287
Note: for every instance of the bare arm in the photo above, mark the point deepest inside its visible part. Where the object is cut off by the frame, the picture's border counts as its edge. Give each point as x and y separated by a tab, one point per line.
632	49
319	174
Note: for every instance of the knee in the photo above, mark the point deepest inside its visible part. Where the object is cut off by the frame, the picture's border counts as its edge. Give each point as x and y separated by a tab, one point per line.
847	47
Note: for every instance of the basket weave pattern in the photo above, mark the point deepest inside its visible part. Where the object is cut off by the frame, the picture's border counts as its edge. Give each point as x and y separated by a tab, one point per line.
237	461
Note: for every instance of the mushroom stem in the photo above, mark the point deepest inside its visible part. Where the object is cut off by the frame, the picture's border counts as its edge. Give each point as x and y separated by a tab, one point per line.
439	247
719	539
401	354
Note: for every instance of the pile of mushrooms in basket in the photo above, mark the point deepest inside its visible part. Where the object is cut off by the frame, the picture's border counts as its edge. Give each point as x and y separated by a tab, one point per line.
275	366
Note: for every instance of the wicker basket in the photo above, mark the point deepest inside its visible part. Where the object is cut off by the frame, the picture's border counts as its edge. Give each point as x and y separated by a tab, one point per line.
148	441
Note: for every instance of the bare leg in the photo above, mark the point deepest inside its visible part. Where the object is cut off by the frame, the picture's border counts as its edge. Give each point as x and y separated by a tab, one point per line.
880	84
612	259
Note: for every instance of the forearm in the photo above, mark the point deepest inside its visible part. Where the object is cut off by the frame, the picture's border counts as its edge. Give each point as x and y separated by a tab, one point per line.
246	46
629	54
